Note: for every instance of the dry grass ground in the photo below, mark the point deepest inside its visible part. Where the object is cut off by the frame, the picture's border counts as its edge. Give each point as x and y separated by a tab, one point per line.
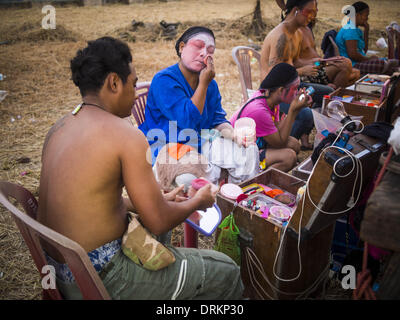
36	65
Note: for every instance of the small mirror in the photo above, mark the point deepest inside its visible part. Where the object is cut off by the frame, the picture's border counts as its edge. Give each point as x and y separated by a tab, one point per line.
207	221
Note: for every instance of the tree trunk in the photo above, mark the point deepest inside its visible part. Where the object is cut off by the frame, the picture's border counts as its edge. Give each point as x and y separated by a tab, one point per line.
257	24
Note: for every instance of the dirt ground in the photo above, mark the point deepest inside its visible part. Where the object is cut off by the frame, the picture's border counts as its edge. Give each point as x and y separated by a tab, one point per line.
36	65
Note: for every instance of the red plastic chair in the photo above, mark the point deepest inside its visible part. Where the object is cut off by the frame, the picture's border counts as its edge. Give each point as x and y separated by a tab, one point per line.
35	234
142	90
243	58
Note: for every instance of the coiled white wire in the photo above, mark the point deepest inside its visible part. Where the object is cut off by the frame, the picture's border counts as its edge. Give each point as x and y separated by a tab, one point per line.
356	164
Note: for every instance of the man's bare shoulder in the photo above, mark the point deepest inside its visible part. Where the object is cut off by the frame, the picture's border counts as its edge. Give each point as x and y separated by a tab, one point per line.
90	126
122	129
279	39
274	34
56	127
128	139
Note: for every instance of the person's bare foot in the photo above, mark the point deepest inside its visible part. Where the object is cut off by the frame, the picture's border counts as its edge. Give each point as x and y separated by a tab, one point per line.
305	145
333	86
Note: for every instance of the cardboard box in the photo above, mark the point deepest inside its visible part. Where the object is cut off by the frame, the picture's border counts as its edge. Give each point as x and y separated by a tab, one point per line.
264	237
370	113
309	229
303	170
381	81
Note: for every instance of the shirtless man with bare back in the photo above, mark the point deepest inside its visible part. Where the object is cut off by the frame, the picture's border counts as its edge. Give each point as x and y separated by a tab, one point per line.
336	73
283	44
88	157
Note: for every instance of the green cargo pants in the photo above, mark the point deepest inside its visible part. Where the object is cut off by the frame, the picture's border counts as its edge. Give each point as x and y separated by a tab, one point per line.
196	274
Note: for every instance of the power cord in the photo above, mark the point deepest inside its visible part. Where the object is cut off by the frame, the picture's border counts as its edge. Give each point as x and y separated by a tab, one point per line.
356	165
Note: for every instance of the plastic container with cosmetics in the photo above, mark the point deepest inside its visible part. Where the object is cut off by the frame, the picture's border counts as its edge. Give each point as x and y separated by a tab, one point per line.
268	208
231	191
245	131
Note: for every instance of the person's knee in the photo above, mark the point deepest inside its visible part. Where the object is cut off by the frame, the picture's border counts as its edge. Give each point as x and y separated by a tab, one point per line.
289	158
356	73
327	90
293	157
348	64
230	277
294	144
306	117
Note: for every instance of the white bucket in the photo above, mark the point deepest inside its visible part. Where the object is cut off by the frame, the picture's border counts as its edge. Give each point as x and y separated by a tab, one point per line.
245	131
381	43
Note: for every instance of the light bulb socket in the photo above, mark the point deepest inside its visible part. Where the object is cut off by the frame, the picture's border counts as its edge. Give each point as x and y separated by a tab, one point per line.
348	126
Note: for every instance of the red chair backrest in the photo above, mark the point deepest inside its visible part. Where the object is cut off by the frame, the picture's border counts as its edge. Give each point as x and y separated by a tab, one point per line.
138	108
35	233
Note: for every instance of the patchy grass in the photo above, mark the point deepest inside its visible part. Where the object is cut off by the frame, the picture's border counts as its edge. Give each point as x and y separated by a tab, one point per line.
36	65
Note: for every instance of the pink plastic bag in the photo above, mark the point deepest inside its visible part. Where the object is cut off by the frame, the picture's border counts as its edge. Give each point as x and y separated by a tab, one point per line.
323	122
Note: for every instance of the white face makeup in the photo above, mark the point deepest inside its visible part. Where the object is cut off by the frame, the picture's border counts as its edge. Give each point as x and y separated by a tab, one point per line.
196	50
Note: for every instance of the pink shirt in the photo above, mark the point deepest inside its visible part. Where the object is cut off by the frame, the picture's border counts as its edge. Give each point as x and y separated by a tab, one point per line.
259	111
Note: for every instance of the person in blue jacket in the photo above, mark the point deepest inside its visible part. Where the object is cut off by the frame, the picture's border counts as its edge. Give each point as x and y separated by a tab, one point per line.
184	98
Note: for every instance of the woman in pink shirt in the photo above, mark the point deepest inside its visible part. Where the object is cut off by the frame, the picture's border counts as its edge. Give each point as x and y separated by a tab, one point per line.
278	148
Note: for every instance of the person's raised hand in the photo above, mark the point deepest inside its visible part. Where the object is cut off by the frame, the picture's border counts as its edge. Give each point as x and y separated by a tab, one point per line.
175	195
208	73
300	101
310	70
314	60
242	142
206	195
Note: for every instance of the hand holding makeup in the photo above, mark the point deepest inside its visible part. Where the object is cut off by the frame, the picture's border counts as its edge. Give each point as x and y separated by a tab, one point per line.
207	195
208	73
301	100
175	195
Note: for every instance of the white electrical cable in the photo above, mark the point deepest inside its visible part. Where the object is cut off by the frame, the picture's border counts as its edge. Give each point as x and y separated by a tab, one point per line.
356	164
298	248
256	262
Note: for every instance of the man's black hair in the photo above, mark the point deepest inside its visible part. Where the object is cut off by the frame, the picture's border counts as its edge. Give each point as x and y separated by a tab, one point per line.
189	33
360	6
91	65
290	4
